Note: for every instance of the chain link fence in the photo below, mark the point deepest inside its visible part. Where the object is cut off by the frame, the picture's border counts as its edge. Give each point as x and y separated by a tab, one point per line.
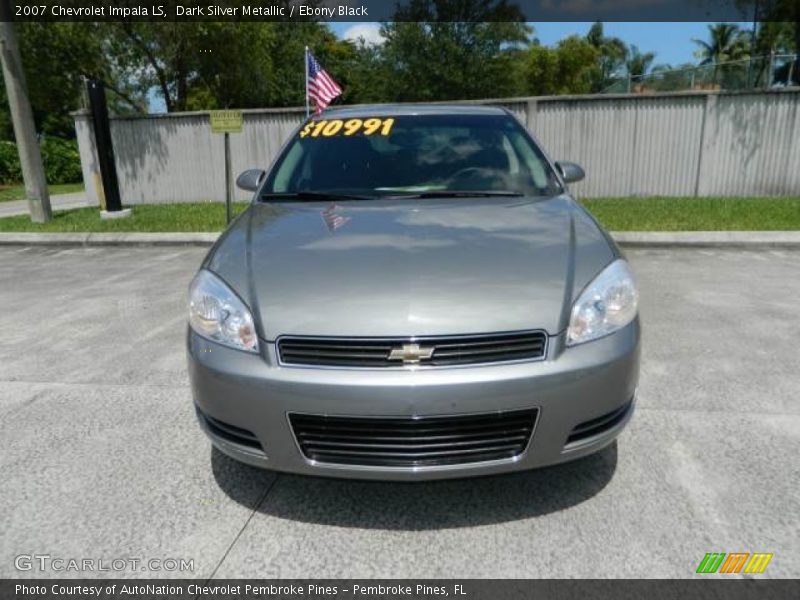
758	72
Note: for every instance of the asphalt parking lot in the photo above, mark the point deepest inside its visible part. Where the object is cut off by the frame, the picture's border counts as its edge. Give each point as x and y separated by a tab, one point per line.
100	455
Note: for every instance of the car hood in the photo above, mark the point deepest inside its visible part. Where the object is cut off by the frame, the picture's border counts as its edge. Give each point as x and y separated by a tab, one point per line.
411	268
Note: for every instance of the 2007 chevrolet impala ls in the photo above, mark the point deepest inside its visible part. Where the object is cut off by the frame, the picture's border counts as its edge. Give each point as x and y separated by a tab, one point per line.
413	294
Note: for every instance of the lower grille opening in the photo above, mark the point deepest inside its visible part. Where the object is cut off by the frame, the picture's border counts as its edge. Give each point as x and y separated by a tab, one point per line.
599	425
413	442
234	434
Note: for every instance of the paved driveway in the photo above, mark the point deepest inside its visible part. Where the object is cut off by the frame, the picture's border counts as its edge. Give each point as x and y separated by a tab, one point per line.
100	456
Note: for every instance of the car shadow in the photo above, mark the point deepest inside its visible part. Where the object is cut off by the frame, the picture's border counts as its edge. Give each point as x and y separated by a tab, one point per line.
421	505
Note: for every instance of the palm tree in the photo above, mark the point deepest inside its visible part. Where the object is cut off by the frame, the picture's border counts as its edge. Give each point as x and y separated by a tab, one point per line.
611	56
774	37
638	63
726	43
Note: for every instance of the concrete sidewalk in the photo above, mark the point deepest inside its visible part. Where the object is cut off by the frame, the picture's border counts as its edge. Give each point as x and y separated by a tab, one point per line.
57	201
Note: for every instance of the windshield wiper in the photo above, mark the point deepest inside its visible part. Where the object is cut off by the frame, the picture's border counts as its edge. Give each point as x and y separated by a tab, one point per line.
459	194
312	195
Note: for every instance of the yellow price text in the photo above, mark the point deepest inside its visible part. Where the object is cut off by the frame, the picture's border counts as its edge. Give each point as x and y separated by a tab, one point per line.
334	127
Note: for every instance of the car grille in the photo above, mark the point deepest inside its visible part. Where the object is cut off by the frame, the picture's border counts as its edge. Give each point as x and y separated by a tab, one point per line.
382	353
413	442
594	427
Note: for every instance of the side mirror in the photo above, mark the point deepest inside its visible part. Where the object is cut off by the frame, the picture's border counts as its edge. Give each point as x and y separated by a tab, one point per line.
250	180
570	172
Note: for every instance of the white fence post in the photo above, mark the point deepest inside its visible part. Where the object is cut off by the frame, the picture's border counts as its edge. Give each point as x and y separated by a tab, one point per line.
530	115
90	165
708	125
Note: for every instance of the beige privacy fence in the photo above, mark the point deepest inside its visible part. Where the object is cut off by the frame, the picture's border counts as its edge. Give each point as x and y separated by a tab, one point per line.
683	144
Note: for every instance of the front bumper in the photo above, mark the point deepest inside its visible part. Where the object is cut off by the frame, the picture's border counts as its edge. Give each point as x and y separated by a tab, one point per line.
571	387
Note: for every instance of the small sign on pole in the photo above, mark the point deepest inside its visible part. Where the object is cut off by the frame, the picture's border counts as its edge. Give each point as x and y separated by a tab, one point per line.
227	122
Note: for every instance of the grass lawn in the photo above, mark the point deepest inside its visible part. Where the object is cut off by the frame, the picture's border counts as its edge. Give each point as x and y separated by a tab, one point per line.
17	192
616	214
201	216
696	214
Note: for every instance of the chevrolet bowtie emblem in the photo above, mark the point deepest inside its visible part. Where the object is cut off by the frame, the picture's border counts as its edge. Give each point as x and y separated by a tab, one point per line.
411	354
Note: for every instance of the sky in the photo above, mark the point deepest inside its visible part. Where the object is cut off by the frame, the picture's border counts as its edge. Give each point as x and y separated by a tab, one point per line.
672	42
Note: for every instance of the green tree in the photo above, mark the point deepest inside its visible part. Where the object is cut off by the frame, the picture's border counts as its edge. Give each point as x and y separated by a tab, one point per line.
57	59
453	60
445	49
638	63
568	68
726	43
286	49
773	37
366	77
202	65
612	53
666	78
166	56
232	68
775	15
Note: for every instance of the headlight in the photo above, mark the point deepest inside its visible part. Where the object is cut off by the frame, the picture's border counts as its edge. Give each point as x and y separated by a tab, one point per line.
218	314
608	303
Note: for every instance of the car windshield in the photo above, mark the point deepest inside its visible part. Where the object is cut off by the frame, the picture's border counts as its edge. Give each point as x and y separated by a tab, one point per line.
411	155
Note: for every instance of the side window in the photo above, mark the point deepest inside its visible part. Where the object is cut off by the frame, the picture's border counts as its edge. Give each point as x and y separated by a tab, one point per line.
287	168
532	164
513	161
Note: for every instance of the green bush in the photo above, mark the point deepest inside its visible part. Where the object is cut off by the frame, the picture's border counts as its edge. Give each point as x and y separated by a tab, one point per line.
62	163
10	171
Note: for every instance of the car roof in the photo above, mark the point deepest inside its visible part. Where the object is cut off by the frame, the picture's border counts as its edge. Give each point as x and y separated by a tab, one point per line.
388	110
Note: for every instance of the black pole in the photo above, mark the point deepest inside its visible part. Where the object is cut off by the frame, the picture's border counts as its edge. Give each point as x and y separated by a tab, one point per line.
105	148
228	178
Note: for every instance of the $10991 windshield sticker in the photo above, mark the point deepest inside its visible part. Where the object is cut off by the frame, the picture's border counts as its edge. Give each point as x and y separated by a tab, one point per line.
348	127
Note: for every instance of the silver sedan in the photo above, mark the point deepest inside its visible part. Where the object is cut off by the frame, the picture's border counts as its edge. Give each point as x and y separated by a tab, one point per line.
413	294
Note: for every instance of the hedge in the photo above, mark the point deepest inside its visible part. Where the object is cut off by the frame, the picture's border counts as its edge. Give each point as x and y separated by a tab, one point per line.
62	163
10	171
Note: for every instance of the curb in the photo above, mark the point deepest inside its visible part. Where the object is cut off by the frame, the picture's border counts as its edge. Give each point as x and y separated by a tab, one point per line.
718	239
190	238
715	239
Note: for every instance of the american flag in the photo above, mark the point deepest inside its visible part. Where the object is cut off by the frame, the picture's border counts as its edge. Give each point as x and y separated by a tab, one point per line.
320	87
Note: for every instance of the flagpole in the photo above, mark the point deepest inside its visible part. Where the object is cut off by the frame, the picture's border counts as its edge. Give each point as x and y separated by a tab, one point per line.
305	56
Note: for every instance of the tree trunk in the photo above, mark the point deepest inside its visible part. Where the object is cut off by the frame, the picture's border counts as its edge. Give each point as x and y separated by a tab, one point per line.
181	77
163	82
